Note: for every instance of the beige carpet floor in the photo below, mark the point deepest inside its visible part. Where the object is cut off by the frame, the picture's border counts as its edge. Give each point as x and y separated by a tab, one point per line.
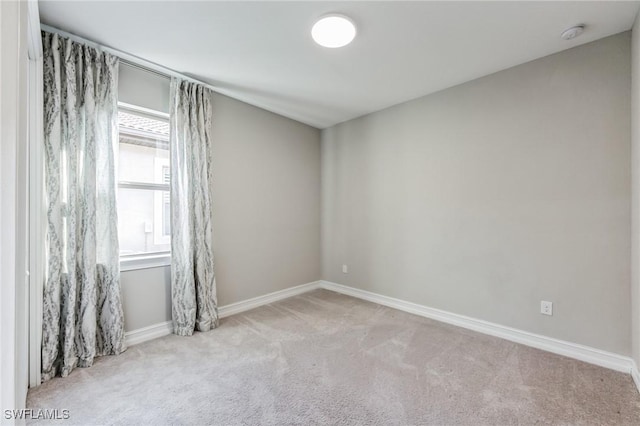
325	358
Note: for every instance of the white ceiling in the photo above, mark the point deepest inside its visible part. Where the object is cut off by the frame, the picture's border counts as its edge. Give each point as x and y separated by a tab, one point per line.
262	52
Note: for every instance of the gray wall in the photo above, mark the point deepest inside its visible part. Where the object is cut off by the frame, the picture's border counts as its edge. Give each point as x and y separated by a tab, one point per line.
143	88
635	191
146	297
266	212
488	197
266	201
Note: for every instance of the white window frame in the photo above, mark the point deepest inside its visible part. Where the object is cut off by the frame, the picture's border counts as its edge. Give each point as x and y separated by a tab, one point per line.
158	204
132	262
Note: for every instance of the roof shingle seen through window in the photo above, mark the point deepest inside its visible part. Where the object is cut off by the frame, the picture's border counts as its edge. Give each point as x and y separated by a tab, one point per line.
143	124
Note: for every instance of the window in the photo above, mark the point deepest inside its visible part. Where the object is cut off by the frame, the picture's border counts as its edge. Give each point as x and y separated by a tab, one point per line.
144	174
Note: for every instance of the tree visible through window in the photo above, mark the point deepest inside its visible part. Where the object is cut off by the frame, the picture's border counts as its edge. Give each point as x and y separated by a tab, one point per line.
144	223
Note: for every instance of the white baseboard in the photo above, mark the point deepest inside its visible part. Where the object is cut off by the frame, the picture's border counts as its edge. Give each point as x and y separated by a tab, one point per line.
635	374
245	305
571	350
151	332
561	347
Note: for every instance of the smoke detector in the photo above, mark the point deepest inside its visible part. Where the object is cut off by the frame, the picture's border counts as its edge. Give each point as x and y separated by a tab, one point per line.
572	32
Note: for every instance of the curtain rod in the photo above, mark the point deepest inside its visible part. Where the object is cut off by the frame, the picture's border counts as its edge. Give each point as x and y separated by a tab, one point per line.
127	58
143	68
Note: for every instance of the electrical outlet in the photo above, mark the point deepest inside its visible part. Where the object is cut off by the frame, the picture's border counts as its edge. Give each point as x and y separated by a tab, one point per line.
345	269
546	308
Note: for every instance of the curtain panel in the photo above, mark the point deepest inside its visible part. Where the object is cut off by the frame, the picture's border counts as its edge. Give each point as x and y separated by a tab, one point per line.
193	283
82	311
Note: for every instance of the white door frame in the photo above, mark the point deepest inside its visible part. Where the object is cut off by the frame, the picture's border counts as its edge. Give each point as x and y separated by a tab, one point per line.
36	211
14	207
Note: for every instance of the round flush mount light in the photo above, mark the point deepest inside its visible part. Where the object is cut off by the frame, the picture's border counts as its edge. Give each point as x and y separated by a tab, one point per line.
333	31
572	32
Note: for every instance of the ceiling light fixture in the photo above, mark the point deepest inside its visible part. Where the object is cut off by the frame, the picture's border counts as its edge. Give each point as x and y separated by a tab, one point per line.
572	32
333	31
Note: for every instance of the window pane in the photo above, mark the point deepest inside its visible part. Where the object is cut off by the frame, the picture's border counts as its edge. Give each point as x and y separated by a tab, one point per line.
142	164
144	148
143	221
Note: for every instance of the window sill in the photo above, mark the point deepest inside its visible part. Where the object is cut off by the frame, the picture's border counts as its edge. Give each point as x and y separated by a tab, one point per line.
145	261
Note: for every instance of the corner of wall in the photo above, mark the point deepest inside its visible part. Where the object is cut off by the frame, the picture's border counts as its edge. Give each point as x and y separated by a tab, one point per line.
635	191
635	375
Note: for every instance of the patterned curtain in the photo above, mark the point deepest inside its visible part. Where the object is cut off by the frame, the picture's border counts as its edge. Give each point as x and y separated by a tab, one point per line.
193	283
82	311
